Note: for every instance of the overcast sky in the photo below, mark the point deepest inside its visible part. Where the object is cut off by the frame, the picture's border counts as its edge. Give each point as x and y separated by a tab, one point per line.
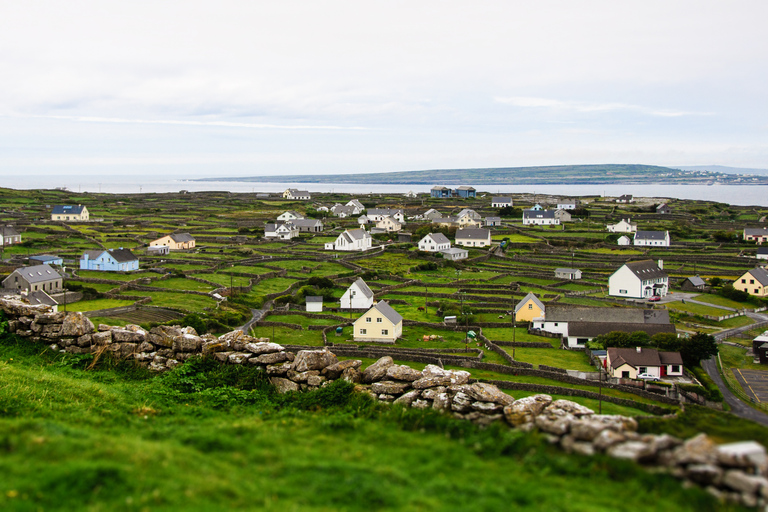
231	88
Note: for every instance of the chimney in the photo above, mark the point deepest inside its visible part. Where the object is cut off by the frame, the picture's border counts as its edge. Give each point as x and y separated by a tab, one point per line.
661	264
639	349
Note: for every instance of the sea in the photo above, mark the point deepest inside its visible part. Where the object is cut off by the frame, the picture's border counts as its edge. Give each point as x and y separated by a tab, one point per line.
744	195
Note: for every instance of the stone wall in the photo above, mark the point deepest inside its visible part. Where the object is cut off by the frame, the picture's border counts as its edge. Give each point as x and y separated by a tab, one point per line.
731	472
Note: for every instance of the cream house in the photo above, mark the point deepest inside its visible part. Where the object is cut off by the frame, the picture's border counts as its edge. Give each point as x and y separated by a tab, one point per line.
175	241
476	237
389	224
380	324
529	308
754	282
70	212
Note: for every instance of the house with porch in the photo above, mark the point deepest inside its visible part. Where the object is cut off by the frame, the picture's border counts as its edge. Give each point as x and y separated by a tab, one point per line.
492	221
440	192
389	224
639	280
308	225
380	324
357	296
465	192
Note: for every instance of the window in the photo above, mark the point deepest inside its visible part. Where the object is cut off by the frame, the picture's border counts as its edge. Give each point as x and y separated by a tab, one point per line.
744	281
642	369
385	332
757	291
623	292
751	281
362	331
378	320
675	368
530	306
367	319
624	375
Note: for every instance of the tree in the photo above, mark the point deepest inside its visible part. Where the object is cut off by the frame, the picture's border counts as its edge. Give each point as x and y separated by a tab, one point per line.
666	342
697	347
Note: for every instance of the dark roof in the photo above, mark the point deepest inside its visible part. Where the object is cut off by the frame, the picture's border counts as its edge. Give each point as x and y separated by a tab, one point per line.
762	250
651	235
473	233
646	269
606	315
592	329
760	274
696	281
122	255
630	356
314	298
182	237
355	234
539	214
68	209
36	273
40	297
501	200
670	358
756	231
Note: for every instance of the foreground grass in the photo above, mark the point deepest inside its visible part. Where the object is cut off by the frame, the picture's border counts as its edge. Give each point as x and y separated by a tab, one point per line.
209	437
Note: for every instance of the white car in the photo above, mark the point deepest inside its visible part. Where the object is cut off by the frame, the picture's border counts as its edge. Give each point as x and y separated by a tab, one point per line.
647	376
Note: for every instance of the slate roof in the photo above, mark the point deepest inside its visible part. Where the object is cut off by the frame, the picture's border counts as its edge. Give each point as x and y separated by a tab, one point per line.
696	281
40	297
438	238
507	200
756	231
671	358
364	289
182	237
473	234
762	251
539	214
454	251
305	222
314	298
8	231
68	209
36	273
389	313
467	211
630	356
383	211
355	234
525	300
646	269
651	235
760	274
122	255
606	315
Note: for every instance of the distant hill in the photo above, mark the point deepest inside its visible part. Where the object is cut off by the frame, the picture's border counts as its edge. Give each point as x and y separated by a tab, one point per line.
724	169
548	175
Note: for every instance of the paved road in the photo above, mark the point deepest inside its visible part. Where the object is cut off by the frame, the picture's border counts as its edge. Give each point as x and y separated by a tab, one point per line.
738	407
256	315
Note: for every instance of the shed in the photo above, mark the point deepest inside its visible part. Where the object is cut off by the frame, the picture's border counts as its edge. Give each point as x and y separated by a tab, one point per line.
314	303
693	284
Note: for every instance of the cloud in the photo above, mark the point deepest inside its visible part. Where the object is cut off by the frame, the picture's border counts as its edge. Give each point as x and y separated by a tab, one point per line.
585	107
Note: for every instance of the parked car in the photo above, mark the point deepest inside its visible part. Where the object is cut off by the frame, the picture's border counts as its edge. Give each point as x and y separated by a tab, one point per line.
647	376
655	298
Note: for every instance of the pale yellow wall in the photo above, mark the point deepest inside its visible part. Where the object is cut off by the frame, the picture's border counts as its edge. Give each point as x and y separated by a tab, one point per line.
373	328
616	372
526	315
750	288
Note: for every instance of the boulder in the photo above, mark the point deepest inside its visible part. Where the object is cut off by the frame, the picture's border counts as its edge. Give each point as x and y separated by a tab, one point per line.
637	451
456	376
432	381
408	398
334	371
84	341
315	380
211	347
486	407
390	387
377	371
404	373
162	335
302	377
313	360
745	454
525	410
442	402
146	347
352	375
263	347
570	407
483	392
696	450
431	393
587	428
127	336
222	357
704	474
184	343
278	370
557	422
744	483
607	438
461	403
273	358
283	385
76	324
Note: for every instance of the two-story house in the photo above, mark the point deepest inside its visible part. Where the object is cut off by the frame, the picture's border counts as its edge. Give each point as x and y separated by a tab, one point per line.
389	224
380	324
357	296
70	213
623	226
639	280
280	230
351	240
434	242
34	278
754	282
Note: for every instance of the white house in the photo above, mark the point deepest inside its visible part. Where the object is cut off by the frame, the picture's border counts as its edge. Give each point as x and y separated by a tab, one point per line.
376	214
501	202
357	296
281	230
351	240
473	237
652	238
567	204
639	280
434	242
357	205
314	303
295	194
567	273
624	240
380	324
455	254
289	215
623	226
540	218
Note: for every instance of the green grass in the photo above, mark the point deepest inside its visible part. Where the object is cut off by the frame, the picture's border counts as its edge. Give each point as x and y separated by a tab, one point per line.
289	336
180	283
116	276
568	359
272	285
696	309
92	305
225	279
723	301
182	301
736	357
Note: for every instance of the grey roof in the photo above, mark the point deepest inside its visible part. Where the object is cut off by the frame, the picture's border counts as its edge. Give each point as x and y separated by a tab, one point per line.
440	188
122	255
646	269
539	214
756	231
762	250
36	273
305	222
606	315
592	329
386	310
465	187
364	289
383	211
346	210
501	200
182	237
651	235
696	281
474	233
493	219
68	209
438	238
525	300
40	297
9	231
297	192
467	211
314	298
454	250
355	234
566	270
760	274
45	258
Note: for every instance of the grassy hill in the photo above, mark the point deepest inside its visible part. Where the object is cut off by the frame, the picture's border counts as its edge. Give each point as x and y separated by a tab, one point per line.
549	175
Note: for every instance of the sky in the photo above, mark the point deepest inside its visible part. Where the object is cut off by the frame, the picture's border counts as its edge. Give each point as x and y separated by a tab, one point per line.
234	88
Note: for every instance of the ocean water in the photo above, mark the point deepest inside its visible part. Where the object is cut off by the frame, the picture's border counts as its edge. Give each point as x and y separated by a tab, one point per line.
745	195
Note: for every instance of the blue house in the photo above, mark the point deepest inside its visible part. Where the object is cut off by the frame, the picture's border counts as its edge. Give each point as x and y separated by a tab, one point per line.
115	260
440	192
46	259
465	191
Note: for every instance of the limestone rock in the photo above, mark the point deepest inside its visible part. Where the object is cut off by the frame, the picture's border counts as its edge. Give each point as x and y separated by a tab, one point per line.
704	474
273	358
608	438
377	370
211	347
84	341
631	450
184	343
277	370
408	398
742	482
697	450
441	402
555	422
746	454
315	380
263	347
283	385
570	407
404	373
302	376
390	387
431	393
572	445
222	357
432	381
525	410
456	376
461	403
335	370
486	407
587	428
239	357
483	392
313	360
420	404
146	347
76	324
352	375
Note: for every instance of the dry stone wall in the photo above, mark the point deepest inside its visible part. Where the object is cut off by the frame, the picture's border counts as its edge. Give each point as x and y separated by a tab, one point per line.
731	472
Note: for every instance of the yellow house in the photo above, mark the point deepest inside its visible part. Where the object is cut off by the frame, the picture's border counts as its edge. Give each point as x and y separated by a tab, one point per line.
175	241
754	282
529	308
70	212
380	324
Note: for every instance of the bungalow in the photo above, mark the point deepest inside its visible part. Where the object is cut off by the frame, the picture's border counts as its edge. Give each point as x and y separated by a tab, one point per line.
389	224
32	279
455	253
693	284
567	273
639	280
758	235
529	308
9	236
628	363
175	241
562	215
663	209
343	211
465	191
289	215
540	218
376	214
501	202
623	240
158	250
652	238
440	192
568	204
46	259
314	303
492	221
577	325
380	324
281	230
70	212
434	242
357	296
295	194
473	237
357	205
308	225
113	260
762	253
625	199
623	226
754	282
351	240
